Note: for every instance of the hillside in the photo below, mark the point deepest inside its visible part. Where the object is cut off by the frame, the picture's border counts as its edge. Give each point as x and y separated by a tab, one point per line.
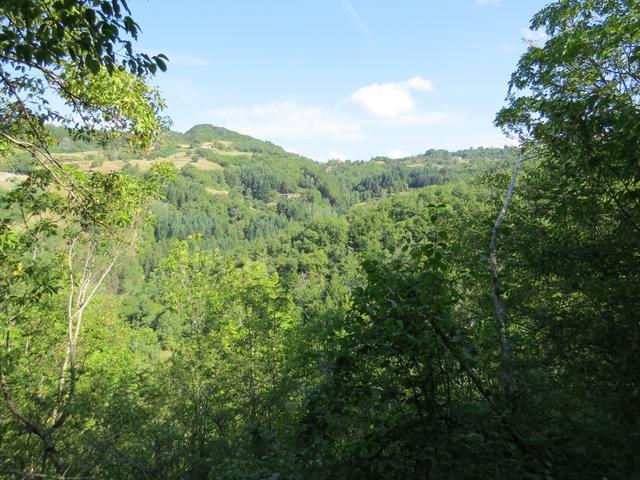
266	171
232	188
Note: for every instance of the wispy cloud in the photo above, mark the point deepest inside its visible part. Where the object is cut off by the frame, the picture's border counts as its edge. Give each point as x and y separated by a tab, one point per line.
397	153
333	155
368	110
487	2
288	120
419	83
389	100
359	23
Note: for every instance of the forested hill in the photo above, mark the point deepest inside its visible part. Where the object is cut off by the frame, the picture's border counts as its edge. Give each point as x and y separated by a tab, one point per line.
276	317
225	162
232	187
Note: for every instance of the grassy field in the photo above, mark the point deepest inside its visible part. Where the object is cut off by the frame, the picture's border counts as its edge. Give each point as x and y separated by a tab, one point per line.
97	161
10	180
213	191
85	161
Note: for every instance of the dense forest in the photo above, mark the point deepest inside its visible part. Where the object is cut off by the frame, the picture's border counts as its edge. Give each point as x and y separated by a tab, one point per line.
208	305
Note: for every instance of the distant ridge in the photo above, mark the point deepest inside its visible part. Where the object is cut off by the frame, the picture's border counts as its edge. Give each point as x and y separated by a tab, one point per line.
207	133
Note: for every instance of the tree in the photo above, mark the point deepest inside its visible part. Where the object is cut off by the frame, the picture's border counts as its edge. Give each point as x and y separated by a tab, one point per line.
570	260
64	230
55	256
576	96
227	370
81	52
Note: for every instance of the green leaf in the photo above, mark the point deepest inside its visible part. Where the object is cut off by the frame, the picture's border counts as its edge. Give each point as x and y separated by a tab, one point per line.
161	64
92	64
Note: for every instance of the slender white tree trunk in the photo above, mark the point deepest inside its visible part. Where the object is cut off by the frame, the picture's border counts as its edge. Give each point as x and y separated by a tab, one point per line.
500	308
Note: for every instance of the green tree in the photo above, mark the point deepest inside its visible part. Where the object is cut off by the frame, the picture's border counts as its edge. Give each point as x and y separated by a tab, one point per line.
227	370
80	51
55	256
571	271
64	230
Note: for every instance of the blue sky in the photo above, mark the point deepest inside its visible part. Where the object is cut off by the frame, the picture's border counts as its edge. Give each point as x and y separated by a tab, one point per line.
340	78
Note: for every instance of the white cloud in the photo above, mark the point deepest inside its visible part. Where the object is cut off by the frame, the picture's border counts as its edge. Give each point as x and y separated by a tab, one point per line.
290	120
397	153
488	2
534	36
333	155
372	109
287	120
390	100
419	83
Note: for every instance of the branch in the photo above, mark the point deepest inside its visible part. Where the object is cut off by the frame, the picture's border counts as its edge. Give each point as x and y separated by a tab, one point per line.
15	411
477	382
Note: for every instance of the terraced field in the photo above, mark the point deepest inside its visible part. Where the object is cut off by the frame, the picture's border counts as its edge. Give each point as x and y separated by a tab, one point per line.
94	161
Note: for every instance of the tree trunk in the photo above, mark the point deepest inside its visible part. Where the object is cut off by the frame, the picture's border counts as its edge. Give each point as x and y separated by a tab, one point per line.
501	311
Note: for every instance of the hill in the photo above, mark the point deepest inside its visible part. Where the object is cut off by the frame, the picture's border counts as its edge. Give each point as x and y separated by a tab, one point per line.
232	187
263	171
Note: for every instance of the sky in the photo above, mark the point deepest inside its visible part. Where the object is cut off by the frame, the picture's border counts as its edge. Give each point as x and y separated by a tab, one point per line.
344	79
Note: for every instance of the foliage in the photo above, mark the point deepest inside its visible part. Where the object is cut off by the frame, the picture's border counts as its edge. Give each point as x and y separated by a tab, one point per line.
280	318
80	51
